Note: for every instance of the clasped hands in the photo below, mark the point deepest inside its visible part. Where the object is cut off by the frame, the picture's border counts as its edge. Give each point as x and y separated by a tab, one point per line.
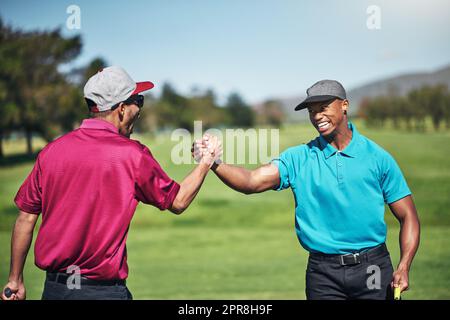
207	150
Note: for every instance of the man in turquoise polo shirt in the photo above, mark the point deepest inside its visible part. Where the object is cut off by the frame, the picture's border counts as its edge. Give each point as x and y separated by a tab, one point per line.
341	181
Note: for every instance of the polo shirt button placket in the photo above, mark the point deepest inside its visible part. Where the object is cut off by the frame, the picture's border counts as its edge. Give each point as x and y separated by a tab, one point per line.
339	167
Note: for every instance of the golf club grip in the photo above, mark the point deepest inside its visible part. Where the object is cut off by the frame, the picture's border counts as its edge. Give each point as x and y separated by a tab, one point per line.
397	293
8	292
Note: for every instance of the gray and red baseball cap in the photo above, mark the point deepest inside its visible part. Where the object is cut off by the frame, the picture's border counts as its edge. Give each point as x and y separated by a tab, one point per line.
323	90
110	86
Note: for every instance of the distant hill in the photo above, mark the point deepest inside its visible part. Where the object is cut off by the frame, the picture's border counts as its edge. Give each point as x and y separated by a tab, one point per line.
400	85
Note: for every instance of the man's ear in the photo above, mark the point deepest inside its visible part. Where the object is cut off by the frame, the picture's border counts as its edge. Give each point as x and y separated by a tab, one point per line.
344	106
121	110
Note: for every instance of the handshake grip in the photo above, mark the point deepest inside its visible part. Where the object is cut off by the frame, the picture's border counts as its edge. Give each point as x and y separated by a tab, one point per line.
207	150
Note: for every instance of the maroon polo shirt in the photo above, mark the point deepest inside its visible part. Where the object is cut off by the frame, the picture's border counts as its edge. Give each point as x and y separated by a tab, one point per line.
87	185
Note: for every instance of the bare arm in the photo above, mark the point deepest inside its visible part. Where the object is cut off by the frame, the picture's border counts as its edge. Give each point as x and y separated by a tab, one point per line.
189	188
248	181
405	212
21	239
240	179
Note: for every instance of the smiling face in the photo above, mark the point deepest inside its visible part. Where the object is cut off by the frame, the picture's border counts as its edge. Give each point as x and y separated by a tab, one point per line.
328	116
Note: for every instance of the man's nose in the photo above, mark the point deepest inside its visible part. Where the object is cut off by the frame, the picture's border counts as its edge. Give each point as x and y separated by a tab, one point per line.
317	116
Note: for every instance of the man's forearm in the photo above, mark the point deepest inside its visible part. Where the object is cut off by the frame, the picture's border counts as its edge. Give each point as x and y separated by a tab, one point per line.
236	178
20	244
189	188
409	241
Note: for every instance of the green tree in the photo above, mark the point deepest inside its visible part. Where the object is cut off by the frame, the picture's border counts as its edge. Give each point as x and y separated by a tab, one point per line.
30	64
447	110
175	112
376	111
406	112
8	94
420	104
271	113
203	107
240	114
437	102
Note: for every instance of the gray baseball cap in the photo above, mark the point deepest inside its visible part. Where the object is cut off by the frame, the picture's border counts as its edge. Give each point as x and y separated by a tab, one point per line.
110	86
323	90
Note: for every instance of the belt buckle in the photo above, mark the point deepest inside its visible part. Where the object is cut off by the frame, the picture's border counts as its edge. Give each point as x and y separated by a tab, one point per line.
355	256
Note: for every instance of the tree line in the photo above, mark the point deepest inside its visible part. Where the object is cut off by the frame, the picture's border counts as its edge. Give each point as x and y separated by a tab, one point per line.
36	97
173	110
411	111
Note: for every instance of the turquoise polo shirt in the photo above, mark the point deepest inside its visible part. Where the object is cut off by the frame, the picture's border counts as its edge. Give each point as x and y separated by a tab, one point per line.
340	195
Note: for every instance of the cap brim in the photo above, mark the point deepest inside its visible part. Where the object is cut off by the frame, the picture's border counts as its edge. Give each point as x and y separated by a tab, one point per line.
143	86
309	100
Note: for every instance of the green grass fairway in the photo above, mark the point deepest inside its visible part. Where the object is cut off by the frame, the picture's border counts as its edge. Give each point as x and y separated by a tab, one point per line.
232	246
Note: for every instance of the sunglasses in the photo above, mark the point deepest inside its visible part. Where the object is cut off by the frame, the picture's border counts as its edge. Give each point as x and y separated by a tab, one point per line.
136	99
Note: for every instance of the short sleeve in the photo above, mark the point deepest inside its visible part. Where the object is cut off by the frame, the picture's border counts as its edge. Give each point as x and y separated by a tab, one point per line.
285	170
153	186
393	182
29	196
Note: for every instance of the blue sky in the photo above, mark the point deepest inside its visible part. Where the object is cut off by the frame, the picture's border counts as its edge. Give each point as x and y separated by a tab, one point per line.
260	48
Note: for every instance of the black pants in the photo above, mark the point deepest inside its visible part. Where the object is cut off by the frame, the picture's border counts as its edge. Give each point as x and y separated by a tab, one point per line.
329	278
54	290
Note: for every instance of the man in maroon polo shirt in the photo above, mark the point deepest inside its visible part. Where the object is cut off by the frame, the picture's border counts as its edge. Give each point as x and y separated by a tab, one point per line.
87	185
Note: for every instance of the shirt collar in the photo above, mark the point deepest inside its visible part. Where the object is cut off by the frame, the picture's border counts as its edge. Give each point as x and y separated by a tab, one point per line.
98	124
350	150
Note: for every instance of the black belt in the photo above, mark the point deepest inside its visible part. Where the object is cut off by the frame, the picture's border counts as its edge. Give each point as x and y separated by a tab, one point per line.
63	277
352	258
